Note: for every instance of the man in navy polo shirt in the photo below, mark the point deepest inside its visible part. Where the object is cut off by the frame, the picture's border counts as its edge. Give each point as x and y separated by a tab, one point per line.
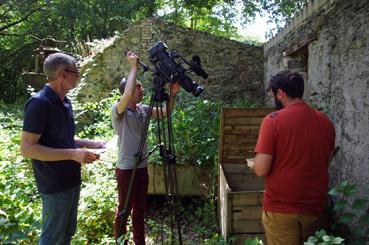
48	138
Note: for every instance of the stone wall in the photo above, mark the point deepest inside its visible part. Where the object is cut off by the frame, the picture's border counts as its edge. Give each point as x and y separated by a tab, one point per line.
235	69
330	47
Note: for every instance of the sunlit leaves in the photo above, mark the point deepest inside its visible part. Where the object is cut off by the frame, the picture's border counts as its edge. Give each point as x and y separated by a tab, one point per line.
322	238
20	213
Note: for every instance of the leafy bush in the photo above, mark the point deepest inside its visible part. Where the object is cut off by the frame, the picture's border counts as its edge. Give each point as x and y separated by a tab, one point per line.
196	130
98	201
353	215
93	119
19	202
255	241
351	219
195	124
321	238
217	239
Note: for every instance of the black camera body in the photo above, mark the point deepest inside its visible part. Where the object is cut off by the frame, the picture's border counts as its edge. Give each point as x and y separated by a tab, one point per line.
170	71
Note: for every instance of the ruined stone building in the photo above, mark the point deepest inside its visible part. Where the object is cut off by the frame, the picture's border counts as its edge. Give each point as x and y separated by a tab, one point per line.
235	69
328	42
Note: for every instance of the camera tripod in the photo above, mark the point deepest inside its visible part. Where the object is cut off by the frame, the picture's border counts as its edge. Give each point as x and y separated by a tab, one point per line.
168	158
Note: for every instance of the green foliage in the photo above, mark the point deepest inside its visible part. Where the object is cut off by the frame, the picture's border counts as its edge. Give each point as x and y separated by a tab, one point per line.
93	119
218	16
217	239
352	218
321	238
353	214
255	241
24	23
278	12
20	211
97	207
197	217
19	202
196	142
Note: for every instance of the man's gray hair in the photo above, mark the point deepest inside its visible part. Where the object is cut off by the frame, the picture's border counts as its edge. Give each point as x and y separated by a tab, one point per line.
56	62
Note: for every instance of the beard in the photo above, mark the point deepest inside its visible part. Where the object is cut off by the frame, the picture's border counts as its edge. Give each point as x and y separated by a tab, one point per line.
278	104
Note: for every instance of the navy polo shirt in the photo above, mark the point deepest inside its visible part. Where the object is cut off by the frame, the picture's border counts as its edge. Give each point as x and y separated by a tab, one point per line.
53	119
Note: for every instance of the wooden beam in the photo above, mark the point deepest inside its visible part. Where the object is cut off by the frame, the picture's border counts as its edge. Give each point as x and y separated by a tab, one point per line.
290	51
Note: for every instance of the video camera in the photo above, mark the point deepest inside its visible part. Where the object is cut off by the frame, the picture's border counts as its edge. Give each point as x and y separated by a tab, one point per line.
170	71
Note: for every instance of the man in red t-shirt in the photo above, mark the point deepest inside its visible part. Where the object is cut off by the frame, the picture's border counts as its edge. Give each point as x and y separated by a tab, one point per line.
293	150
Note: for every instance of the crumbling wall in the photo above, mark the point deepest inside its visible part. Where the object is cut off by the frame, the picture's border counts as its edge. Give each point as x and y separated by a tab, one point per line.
334	40
235	69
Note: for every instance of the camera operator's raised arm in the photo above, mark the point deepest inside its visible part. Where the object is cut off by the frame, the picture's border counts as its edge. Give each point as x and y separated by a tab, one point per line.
130	86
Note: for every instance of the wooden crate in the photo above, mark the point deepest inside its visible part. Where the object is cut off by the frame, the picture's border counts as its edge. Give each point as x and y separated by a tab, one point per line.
240	190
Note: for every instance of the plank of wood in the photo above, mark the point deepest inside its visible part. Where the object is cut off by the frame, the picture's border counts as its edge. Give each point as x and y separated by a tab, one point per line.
252	112
241	130
247	226
236	150
247	212
240	120
245	127
236	159
238	147
224	204
301	44
241	198
221	136
237	169
236	154
250	121
245	182
240	139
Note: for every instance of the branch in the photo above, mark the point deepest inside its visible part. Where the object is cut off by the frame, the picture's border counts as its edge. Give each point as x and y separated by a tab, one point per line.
16	51
2	28
13	34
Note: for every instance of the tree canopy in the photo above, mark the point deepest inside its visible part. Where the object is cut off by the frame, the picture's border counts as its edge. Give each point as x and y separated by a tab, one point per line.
23	22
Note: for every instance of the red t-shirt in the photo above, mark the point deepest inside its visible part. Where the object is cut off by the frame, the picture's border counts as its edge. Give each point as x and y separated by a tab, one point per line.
301	140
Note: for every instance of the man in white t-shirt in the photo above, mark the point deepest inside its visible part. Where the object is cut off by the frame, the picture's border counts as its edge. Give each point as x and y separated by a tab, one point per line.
129	118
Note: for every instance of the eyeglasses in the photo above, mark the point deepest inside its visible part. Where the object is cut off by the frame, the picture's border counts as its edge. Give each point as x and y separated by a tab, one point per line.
75	72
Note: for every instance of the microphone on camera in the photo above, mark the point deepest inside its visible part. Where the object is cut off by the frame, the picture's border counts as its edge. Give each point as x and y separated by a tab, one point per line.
195	66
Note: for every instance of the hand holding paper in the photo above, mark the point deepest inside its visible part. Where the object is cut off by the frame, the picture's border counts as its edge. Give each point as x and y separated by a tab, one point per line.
250	162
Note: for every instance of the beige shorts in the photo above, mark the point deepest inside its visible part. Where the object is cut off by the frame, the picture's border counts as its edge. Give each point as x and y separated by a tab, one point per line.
288	229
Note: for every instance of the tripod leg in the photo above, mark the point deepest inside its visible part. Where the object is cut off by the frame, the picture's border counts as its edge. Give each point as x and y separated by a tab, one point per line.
169	160
172	161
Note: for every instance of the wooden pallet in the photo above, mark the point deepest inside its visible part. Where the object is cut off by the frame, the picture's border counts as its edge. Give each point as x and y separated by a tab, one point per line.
240	190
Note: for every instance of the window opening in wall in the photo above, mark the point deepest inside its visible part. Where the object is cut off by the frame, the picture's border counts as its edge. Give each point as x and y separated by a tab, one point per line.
298	61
